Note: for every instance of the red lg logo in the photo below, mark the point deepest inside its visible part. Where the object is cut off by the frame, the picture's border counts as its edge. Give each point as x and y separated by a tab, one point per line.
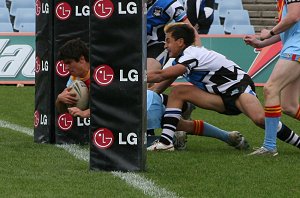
103	75
103	138
61	69
65	121
36	119
63	11
103	9
38	7
37	64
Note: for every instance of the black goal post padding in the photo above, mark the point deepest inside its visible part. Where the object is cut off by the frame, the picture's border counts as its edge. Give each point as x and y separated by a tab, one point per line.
71	21
44	84
118	85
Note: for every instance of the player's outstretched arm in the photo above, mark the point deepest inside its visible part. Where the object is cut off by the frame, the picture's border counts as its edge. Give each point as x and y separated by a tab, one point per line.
253	41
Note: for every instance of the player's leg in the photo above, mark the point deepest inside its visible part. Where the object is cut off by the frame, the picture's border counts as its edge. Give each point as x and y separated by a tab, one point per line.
201	128
289	99
172	115
284	73
252	108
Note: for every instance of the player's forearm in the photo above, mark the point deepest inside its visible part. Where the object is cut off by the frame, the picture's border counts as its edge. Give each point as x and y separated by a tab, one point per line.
154	77
270	41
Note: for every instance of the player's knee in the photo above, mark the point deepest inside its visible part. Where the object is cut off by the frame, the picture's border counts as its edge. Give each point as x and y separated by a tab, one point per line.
289	109
259	120
270	90
177	91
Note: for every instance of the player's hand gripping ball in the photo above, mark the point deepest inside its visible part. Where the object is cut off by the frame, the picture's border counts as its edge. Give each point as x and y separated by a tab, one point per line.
79	88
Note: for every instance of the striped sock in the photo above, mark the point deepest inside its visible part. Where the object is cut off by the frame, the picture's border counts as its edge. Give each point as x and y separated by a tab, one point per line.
202	128
170	121
272	117
297	116
287	135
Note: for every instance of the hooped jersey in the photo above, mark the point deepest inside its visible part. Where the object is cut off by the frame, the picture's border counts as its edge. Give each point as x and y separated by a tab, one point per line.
160	13
291	37
209	70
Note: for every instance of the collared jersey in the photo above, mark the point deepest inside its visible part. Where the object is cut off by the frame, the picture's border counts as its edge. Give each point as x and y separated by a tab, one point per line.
160	13
209	70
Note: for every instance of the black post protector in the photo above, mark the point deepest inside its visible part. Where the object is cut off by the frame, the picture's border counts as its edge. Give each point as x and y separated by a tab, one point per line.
44	102
71	20
118	86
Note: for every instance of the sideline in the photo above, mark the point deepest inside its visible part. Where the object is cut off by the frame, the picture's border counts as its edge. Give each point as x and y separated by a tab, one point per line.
139	182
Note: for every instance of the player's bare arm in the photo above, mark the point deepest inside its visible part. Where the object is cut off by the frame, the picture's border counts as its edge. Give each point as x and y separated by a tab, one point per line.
292	17
162	86
253	41
65	98
165	74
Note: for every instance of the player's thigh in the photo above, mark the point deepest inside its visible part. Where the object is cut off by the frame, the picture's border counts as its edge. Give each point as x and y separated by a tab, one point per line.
199	97
284	72
290	96
251	107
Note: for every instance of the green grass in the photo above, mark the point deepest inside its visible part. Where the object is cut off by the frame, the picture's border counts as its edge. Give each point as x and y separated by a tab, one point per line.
208	168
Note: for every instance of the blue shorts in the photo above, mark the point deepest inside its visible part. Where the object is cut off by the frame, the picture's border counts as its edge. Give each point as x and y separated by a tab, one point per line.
155	110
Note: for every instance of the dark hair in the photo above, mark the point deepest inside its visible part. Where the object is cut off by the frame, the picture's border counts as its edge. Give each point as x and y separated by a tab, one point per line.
73	49
181	30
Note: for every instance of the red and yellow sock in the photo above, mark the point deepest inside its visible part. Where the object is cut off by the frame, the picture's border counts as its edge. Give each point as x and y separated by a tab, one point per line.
273	111
198	127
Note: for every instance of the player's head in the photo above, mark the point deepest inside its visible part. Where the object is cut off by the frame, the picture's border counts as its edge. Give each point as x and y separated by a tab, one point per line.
75	56
181	31
178	37
74	49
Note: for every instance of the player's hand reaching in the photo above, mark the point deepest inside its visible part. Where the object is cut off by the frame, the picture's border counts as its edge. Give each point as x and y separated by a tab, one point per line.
67	97
252	41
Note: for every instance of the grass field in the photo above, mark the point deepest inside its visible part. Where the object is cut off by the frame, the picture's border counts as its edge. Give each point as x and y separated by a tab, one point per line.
208	168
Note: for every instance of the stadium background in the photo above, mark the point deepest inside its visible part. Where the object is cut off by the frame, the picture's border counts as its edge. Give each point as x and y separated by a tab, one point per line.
258	63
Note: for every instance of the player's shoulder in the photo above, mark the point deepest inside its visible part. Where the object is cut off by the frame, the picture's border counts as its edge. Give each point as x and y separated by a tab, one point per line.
194	50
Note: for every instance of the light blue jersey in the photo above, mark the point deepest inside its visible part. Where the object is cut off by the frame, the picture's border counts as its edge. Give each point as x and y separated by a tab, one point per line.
290	38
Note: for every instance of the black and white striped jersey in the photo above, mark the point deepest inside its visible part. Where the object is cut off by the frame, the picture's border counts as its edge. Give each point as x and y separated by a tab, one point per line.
209	70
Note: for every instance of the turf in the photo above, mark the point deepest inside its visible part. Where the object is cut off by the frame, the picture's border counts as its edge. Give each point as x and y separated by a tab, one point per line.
207	168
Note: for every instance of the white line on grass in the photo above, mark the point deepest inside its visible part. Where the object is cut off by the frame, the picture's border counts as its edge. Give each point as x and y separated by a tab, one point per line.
135	180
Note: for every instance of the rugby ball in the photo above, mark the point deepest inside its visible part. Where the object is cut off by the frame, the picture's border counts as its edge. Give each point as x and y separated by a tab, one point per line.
82	94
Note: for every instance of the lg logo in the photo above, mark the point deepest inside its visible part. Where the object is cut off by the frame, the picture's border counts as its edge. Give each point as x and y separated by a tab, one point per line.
40	119
65	121
63	11
40	65
61	69
103	138
104	75
41	8
103	9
